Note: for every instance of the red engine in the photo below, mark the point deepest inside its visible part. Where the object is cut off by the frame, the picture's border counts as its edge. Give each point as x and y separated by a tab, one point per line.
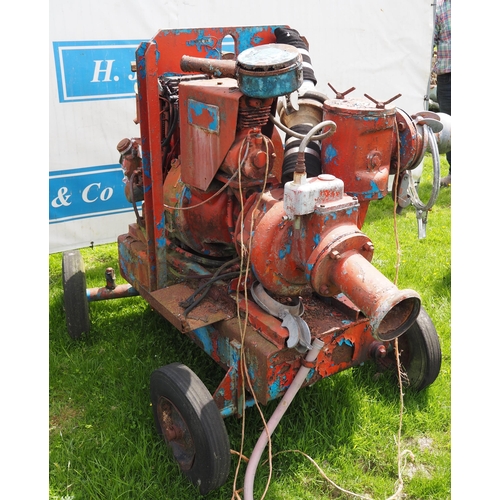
252	181
242	157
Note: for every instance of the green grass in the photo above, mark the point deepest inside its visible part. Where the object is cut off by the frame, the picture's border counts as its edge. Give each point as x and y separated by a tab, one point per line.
102	442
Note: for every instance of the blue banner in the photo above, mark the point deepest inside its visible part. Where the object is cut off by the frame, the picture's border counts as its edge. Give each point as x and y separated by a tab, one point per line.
88	71
87	192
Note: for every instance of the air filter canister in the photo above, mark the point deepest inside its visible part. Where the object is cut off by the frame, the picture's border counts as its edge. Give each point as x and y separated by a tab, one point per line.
270	70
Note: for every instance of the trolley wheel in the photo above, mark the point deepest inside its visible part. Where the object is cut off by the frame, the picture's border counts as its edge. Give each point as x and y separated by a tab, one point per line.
76	305
420	353
190	422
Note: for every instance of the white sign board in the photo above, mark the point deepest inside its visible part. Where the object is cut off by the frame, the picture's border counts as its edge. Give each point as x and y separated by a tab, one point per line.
382	48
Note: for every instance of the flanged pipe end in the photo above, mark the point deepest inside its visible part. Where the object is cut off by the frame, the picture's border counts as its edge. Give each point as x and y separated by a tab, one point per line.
393	319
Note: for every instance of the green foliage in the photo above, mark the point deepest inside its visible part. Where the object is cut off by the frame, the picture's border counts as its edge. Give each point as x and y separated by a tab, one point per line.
103	444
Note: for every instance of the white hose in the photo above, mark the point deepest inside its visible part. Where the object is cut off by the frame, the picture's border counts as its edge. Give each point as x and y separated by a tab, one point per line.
278	413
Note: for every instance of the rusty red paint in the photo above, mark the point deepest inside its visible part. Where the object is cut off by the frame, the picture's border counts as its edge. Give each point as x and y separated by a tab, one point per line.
268	326
360	150
198	214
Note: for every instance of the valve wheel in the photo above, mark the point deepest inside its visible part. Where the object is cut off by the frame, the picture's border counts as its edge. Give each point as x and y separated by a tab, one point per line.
420	353
76	306
189	420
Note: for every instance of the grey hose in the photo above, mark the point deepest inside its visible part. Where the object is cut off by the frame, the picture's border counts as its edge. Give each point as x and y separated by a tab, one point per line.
318	137
412	191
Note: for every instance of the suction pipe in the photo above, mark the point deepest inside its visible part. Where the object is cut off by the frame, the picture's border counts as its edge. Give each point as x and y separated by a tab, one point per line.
296	384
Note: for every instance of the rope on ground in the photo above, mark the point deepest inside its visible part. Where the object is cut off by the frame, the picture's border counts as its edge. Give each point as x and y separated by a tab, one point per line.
399	483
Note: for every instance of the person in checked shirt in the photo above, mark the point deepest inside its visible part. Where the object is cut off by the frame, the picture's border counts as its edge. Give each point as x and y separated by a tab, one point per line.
442	66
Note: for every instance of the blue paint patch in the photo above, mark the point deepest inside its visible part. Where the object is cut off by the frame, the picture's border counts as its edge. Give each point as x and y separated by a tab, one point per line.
206	45
345	341
197	109
187	194
316	239
227	411
309	268
251	371
330	154
274	388
374	192
141	61
284	252
203	335
247	37
146	164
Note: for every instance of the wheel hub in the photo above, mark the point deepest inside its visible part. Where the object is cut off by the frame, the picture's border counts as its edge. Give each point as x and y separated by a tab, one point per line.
176	433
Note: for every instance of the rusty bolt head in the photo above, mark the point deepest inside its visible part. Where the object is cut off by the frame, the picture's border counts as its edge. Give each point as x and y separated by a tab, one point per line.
334	254
368	246
378	350
374	159
173	433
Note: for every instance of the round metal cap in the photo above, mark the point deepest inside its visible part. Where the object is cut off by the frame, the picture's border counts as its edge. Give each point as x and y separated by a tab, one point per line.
273	56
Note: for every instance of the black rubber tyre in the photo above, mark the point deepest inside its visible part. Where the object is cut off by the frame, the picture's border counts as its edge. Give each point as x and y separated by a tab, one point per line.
420	353
187	417
76	305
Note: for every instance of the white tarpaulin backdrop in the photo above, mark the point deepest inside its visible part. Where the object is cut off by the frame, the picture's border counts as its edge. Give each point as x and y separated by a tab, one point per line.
381	47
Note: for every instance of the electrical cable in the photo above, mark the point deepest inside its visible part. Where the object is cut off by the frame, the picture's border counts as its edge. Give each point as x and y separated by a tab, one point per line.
205	288
208	199
139	219
291	132
191	302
